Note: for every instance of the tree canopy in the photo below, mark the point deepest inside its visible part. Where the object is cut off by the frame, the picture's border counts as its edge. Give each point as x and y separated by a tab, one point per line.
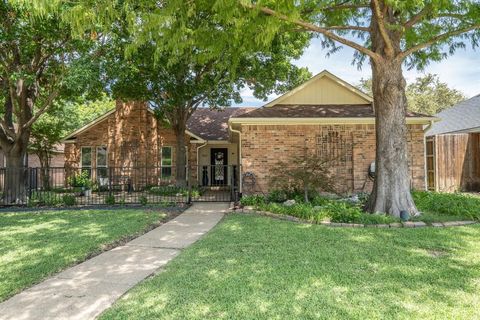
427	94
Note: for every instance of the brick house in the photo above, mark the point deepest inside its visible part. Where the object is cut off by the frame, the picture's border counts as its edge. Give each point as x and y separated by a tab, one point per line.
240	145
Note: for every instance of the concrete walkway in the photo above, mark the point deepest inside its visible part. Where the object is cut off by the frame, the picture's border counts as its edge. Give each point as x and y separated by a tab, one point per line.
87	289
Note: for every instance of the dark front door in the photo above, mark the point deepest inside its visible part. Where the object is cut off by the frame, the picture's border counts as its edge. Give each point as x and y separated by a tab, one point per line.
219	166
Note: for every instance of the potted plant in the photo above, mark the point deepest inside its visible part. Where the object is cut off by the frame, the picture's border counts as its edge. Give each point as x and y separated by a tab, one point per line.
81	183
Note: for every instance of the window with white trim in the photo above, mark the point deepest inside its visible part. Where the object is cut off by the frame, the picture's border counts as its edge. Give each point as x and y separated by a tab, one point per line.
102	170
86	160
166	162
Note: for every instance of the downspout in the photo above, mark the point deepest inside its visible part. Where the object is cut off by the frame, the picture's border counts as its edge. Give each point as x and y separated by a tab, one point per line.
198	162
425	154
239	156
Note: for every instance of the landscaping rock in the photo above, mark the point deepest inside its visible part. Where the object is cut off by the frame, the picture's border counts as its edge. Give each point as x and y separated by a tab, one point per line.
396	225
420	224
289	203
383	226
408	224
437	224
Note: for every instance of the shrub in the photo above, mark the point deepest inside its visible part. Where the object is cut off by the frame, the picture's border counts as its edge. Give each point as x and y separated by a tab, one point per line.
143	200
455	204
343	212
69	199
276	196
44	198
252	200
168	191
110	200
81	180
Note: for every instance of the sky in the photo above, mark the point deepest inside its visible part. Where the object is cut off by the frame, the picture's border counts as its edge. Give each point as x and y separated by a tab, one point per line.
460	71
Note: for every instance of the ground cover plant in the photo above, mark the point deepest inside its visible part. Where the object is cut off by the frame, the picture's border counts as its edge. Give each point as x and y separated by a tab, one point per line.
448	205
37	244
253	267
318	209
434	207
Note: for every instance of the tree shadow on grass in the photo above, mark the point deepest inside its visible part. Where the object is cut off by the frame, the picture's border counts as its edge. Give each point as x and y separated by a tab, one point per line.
36	245
260	268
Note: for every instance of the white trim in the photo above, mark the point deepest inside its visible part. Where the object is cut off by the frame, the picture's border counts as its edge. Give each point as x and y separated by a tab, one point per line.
104	116
305	121
193	135
91	160
88	125
166	166
96	160
322	74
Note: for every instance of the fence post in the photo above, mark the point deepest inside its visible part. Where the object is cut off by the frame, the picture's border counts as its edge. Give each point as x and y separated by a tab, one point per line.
189	184
110	181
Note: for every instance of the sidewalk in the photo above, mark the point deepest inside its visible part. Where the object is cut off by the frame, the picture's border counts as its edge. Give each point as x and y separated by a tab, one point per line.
87	289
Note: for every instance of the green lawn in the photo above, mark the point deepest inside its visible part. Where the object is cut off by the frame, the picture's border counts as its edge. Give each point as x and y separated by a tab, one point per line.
252	267
34	245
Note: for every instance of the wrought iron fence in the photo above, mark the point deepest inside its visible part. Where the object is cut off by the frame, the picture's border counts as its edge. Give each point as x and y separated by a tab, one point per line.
59	186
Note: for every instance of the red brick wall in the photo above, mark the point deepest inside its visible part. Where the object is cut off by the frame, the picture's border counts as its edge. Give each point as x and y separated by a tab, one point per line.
265	146
133	138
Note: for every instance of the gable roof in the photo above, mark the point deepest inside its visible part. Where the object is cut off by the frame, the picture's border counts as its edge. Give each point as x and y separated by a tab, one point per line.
462	117
213	124
348	88
204	124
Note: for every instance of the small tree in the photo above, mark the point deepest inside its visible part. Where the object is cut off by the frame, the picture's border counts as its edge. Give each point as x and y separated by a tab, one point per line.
306	173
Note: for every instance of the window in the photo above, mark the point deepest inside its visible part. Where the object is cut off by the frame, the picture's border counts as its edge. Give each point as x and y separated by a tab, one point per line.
166	162
86	160
102	163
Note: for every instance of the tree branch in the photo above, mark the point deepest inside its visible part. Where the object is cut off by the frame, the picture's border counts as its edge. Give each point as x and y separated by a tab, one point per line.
46	105
418	17
347	6
315	28
358	28
381	26
433	40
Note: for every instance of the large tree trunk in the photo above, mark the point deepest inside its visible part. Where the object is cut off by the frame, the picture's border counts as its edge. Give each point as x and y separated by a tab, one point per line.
15	190
180	157
391	189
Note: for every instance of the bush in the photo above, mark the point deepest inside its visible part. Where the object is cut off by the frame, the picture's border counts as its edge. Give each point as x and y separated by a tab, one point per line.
69	199
143	200
252	200
168	190
343	212
454	204
44	198
110	200
81	180
276	196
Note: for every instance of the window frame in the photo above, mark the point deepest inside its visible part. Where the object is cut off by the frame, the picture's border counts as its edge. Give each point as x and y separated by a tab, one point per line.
90	167
162	165
97	166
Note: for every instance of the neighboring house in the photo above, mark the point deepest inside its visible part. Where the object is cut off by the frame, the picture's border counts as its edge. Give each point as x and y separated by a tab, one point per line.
453	148
325	114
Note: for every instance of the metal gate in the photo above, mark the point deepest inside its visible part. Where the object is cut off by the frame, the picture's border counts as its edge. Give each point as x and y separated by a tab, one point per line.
214	183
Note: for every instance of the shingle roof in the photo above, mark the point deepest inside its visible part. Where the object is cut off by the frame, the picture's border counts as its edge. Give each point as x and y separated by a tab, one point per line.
213	124
317	111
463	116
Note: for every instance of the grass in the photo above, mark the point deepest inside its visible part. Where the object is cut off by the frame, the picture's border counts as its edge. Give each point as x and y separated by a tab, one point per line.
35	245
252	267
448	206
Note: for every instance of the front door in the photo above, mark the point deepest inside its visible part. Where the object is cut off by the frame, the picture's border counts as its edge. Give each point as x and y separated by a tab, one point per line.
219	166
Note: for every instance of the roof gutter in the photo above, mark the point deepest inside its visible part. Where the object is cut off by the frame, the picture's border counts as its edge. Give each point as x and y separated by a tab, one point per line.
306	121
